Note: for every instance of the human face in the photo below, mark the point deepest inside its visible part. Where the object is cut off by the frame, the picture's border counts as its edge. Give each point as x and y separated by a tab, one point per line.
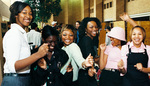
91	29
67	37
137	37
52	41
77	25
115	42
24	18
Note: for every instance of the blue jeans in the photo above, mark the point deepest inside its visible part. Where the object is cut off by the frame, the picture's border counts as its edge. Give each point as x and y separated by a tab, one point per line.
16	81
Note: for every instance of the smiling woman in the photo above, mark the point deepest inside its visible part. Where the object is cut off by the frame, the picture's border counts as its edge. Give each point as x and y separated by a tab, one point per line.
110	56
16	49
24	17
135	63
88	31
75	56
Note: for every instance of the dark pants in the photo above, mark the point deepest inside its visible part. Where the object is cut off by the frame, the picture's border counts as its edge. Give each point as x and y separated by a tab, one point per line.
110	78
16	81
85	80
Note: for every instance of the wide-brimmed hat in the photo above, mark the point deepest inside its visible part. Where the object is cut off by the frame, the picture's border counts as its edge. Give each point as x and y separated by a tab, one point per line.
118	33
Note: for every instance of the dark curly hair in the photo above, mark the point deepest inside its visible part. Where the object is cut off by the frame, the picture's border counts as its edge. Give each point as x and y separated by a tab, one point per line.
49	31
83	25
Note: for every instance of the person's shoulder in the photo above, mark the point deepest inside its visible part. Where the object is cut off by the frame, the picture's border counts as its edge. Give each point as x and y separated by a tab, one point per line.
148	47
12	33
28	32
60	50
73	45
109	46
86	39
61	54
125	48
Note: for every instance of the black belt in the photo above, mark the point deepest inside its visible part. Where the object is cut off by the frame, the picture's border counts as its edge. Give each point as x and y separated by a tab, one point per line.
16	74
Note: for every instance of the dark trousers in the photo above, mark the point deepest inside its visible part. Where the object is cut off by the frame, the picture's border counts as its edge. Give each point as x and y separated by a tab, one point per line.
110	78
85	80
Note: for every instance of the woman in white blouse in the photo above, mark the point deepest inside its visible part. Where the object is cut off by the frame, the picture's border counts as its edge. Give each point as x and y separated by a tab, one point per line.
16	48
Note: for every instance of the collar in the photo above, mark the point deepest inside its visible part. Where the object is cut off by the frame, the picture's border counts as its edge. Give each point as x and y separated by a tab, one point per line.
16	26
142	45
113	46
32	30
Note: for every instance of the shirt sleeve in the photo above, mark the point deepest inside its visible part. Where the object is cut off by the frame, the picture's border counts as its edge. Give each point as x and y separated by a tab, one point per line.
12	48
107	50
148	52
76	54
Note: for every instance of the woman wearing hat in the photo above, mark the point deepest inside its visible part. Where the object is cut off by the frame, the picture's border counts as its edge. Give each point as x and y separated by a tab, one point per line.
110	56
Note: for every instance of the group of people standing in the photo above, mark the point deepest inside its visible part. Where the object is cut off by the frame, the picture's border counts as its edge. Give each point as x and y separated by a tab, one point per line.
121	63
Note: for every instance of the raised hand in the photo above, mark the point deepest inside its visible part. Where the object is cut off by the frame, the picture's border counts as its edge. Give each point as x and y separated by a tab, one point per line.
89	61
103	46
43	50
42	63
124	17
139	66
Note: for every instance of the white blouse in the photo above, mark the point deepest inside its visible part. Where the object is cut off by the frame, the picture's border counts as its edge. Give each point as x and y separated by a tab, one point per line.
15	48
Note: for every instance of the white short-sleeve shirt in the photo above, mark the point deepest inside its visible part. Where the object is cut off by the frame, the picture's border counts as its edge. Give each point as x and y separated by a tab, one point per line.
15	48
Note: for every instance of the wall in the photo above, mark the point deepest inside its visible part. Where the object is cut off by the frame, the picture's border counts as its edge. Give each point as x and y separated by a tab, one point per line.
120	8
4	12
63	16
71	11
110	13
99	11
74	10
86	8
138	6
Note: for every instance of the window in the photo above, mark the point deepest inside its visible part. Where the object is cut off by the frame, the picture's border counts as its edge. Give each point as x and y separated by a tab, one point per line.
107	5
91	10
104	6
110	4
